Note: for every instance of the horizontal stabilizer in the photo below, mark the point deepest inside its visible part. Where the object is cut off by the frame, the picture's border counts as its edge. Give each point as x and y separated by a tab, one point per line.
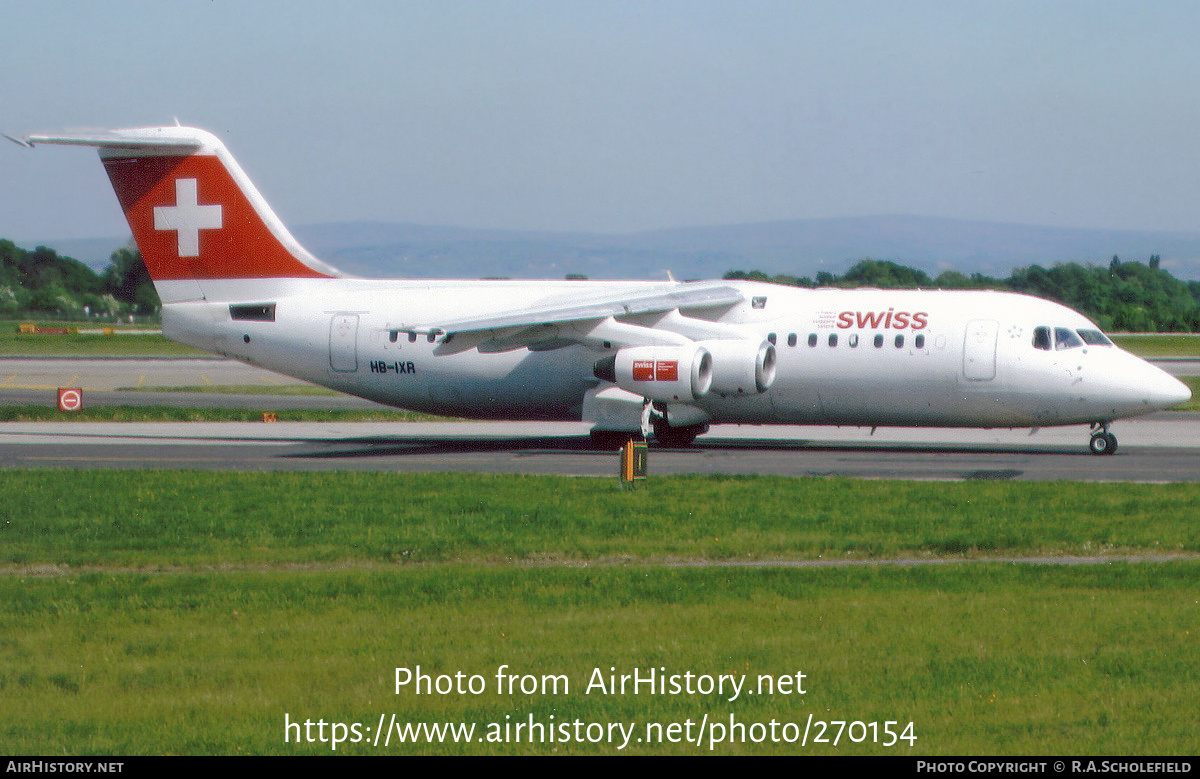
156	137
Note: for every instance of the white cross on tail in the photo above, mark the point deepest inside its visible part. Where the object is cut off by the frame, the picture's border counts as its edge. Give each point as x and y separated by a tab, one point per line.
187	217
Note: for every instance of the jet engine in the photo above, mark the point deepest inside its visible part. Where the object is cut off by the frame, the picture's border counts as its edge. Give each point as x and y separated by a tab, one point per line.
667	373
741	366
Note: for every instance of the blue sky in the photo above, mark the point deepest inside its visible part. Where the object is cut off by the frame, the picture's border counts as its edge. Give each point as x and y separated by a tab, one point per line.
623	116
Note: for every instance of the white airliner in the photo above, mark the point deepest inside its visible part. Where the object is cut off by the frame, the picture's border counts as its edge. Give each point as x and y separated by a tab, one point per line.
624	356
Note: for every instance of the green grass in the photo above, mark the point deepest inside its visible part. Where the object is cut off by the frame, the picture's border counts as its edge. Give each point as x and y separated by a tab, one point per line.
987	660
16	344
188	613
1160	344
167	519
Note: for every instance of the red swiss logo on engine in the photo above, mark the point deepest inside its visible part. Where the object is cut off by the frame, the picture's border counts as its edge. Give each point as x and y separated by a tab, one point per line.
656	370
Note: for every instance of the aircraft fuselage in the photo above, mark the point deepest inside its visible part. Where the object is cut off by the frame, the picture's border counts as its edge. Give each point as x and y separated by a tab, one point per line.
844	357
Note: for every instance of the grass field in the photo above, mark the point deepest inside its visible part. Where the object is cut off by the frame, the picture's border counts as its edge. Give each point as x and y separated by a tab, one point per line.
17	344
166	612
1161	344
153	519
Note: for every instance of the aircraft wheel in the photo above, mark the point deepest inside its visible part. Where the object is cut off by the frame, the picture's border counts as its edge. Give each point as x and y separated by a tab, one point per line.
677	436
1103	443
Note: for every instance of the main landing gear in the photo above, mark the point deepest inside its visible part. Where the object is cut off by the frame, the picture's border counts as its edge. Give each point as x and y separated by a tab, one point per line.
612	440
676	437
1103	442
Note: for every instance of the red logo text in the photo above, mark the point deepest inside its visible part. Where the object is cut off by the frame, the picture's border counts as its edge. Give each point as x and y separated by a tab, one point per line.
883	320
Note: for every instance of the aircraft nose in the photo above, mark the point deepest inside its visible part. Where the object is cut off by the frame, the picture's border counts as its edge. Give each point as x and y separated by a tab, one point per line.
1160	389
1171	392
1134	386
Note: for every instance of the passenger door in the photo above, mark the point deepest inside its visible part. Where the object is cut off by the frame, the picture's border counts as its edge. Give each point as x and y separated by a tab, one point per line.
979	350
343	343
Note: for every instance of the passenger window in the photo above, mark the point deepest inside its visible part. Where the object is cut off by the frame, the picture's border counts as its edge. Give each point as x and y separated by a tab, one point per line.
919	341
878	341
899	342
1065	338
772	338
812	339
854	341
1041	338
833	339
412	338
393	335
791	339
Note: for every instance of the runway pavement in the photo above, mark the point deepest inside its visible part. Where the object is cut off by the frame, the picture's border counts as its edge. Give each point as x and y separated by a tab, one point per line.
1162	447
100	373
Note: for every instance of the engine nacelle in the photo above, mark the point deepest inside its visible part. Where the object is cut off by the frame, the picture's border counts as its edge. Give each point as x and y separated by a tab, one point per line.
667	373
741	367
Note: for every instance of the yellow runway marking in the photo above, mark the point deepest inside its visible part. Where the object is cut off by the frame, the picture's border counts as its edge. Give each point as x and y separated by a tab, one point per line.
141	380
205	379
47	387
6	381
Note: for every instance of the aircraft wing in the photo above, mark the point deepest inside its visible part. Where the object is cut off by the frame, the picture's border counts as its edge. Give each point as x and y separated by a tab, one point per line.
560	322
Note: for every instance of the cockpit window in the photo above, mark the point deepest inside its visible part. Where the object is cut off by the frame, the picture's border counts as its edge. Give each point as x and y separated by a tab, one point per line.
1041	338
1094	338
1065	338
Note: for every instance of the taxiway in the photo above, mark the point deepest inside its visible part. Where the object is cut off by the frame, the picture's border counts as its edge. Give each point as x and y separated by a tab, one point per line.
1158	448
1161	448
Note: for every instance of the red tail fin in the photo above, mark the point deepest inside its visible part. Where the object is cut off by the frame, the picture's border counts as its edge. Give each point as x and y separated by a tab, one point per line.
194	213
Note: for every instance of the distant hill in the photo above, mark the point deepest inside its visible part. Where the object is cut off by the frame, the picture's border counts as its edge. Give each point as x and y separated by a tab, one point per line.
798	247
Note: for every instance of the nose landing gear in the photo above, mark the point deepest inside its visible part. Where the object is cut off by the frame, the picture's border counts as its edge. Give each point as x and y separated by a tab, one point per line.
1103	442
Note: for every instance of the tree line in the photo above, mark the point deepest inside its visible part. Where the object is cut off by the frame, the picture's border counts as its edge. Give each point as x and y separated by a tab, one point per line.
1122	297
42	283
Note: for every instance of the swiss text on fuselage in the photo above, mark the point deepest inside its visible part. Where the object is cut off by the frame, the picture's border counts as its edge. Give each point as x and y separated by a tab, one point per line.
893	319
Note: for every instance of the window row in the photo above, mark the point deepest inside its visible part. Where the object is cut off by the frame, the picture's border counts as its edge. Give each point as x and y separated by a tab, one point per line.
1059	338
852	340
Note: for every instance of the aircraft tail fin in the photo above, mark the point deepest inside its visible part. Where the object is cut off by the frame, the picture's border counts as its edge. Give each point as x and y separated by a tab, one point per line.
194	213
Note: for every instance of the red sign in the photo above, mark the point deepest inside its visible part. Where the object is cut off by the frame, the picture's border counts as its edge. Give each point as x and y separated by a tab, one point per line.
656	370
643	370
70	399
